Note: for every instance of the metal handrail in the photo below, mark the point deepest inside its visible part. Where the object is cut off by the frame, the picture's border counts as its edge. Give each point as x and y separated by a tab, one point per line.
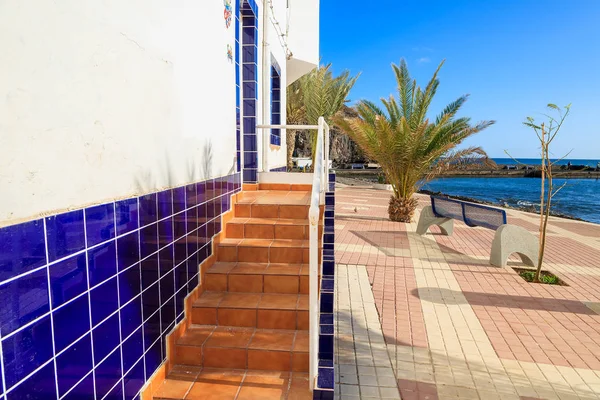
320	184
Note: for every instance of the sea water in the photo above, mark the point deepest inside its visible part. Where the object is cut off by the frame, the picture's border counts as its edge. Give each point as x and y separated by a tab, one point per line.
537	161
579	198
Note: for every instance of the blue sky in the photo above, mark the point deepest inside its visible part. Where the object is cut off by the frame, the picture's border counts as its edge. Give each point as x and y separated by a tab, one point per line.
513	57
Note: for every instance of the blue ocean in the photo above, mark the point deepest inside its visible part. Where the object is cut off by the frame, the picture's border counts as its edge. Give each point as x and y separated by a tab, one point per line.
579	198
537	161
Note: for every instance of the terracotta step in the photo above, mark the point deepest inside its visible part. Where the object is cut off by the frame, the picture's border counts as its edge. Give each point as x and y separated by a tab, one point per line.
255	310
279	251
257	278
243	348
195	383
269	228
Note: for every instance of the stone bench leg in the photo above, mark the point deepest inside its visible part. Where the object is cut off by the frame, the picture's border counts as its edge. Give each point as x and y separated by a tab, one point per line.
428	218
511	239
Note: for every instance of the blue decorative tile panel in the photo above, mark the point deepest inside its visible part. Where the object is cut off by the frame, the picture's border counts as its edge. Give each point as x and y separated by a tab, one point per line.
116	298
22	248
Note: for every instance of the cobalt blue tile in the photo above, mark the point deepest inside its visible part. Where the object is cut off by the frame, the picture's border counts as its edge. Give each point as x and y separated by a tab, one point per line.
65	234
210	230
108	373
102	263
129	284
192	243
325	344
325	378
180	225
249	132
250	159
167	286
23	300
131	316
326	319
71	321
134	380
22	248
192	266
180	299
167	315
150	301
327	329
152	330
74	364
149	271
166	259
165	231
26	351
153	358
179	199
210	189
180	251
68	279
84	390
210	209
217	224
191	199
148	240
191	217
39	386
249	107
193	282
104	300
126	212
201	192
99	223
250	176
128	250
165	203
133	348
181	276
106	338
116	392
326	363
148	209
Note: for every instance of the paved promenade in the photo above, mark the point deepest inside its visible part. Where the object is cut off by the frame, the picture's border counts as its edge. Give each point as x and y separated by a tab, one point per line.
454	326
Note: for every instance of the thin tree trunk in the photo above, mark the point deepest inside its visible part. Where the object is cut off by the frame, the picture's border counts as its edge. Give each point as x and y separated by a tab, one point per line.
542	209
290	141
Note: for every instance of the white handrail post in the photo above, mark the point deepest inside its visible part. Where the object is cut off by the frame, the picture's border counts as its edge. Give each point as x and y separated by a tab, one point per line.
266	142
313	215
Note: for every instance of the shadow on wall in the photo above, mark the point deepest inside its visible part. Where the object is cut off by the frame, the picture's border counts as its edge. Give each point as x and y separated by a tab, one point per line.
196	169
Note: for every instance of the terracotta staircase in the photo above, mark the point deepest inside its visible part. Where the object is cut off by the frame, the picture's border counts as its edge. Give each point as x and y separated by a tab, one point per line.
247	334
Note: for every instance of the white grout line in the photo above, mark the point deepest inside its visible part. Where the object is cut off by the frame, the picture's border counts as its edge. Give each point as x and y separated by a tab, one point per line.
87	293
119	302
50	306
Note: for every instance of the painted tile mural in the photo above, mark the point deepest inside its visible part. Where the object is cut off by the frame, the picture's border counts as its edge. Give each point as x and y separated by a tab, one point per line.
88	296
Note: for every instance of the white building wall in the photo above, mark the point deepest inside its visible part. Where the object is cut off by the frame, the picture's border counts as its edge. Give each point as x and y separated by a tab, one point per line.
111	99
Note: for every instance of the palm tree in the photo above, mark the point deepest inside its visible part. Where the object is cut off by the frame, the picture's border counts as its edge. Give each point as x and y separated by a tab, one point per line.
410	148
317	94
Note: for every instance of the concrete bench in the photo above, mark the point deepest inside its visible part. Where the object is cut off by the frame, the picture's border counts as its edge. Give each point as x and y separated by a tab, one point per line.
508	239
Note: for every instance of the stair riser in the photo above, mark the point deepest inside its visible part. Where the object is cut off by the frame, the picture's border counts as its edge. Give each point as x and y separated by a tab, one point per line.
269	231
241	358
287	211
251	318
278	255
284	284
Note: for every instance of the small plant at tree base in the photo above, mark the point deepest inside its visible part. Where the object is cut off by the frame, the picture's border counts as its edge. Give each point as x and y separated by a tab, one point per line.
546	133
410	147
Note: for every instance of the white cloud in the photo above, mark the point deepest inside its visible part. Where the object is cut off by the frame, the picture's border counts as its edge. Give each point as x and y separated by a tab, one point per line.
423	60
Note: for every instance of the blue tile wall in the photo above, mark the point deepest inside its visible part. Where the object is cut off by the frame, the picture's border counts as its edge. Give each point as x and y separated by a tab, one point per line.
249	81
275	101
326	377
88	296
279	169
